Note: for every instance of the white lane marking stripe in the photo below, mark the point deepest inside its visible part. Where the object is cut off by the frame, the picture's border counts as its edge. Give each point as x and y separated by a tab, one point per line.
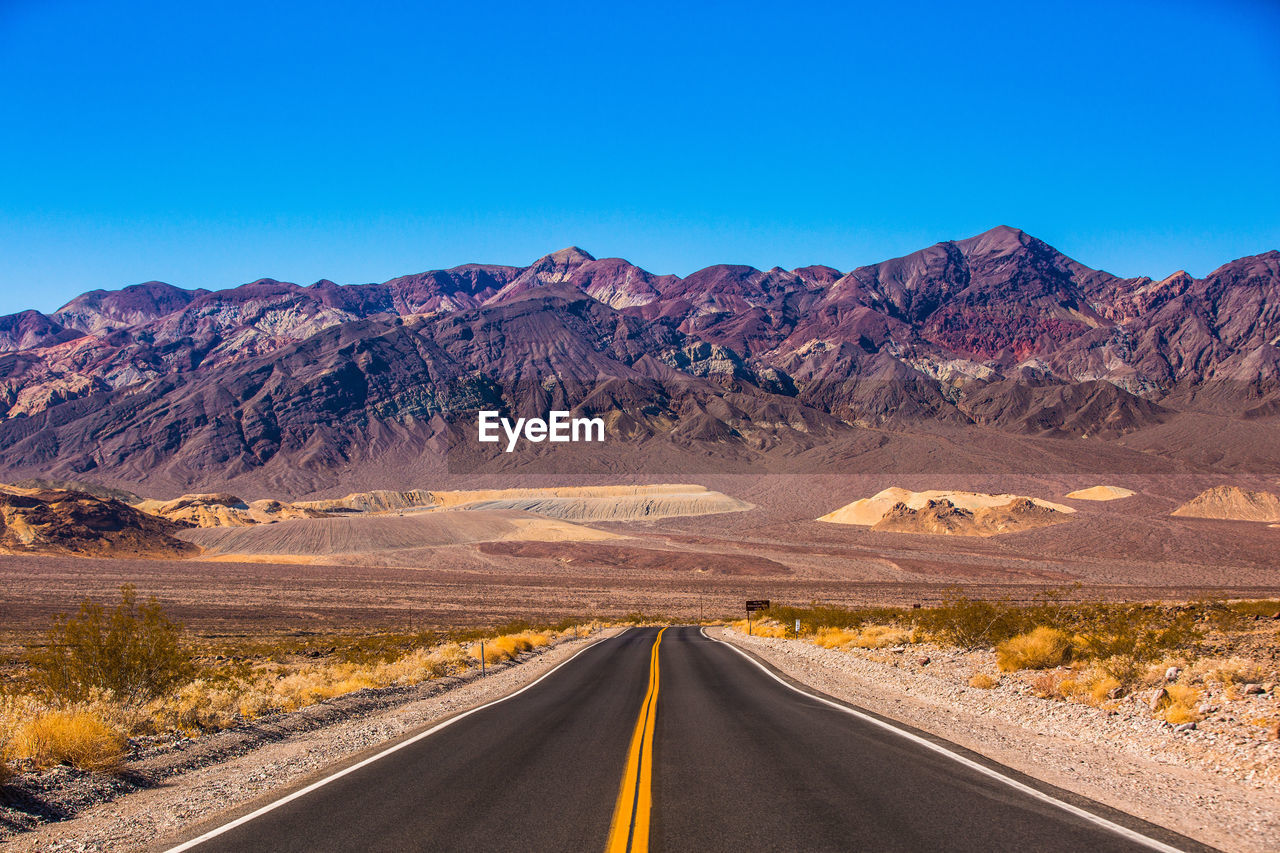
227	827
1123	831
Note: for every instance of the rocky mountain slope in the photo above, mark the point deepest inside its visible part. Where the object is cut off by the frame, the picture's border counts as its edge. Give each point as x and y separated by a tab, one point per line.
999	334
37	521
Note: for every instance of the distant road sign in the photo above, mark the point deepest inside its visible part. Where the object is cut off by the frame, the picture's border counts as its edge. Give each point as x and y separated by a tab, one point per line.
759	604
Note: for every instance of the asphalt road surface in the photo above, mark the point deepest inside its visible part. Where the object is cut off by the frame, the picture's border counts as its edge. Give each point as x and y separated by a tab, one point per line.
672	741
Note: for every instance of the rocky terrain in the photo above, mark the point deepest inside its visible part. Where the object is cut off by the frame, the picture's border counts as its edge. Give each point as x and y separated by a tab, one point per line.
274	389
39	521
955	513
222	510
944	517
1232	502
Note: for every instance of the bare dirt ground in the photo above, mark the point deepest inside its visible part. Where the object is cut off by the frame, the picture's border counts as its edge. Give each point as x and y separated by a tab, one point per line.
1130	548
1217	788
178	790
687	568
469	588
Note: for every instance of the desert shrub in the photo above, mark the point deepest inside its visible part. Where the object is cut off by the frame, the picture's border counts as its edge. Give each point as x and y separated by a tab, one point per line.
761	628
1041	648
1101	687
255	703
1226	671
76	737
970	623
198	707
421	665
1267	607
1122	668
870	637
1133	635
135	652
7	719
1047	685
510	646
982	681
834	638
882	636
1179	704
820	616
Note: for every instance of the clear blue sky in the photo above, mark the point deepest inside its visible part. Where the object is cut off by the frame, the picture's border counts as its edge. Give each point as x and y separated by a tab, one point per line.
212	144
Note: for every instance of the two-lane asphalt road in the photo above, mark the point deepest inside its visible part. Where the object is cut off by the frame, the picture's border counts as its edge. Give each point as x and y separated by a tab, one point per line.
672	741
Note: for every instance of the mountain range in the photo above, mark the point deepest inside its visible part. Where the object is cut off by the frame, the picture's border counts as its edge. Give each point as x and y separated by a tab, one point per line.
998	336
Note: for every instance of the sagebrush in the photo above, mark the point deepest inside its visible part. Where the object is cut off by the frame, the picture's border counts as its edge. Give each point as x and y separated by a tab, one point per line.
134	652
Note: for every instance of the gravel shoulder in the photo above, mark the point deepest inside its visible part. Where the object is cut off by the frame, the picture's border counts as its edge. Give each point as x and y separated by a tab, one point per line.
1205	787
158	798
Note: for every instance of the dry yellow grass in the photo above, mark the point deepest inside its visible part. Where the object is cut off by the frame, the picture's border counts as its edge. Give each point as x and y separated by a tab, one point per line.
1226	670
761	628
871	637
1048	685
509	646
76	737
1181	703
1101	688
91	734
1040	648
201	706
982	681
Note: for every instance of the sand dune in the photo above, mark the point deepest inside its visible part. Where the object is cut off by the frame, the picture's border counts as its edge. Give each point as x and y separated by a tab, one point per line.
1232	503
1101	493
328	537
868	512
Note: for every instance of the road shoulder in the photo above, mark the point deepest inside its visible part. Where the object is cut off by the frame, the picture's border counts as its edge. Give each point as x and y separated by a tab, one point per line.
155	817
1018	735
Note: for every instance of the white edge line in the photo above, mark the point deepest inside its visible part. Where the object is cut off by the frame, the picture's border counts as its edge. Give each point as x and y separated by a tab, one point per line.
1123	831
227	827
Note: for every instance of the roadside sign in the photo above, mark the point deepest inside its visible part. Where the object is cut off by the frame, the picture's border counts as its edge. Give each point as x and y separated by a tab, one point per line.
758	604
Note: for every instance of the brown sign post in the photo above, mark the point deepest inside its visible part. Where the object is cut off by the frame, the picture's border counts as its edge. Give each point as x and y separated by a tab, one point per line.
752	606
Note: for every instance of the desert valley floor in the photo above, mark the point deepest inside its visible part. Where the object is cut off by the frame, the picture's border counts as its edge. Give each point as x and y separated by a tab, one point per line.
448	566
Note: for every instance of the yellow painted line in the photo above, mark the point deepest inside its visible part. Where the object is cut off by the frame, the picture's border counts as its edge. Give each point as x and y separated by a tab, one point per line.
629	830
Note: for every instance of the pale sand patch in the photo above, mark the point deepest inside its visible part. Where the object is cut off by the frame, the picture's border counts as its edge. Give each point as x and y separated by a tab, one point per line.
1102	493
378	500
551	530
867	512
569	503
303	539
600	503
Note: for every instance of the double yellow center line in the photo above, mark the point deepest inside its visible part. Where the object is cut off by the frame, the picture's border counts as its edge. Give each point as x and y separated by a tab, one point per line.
629	830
